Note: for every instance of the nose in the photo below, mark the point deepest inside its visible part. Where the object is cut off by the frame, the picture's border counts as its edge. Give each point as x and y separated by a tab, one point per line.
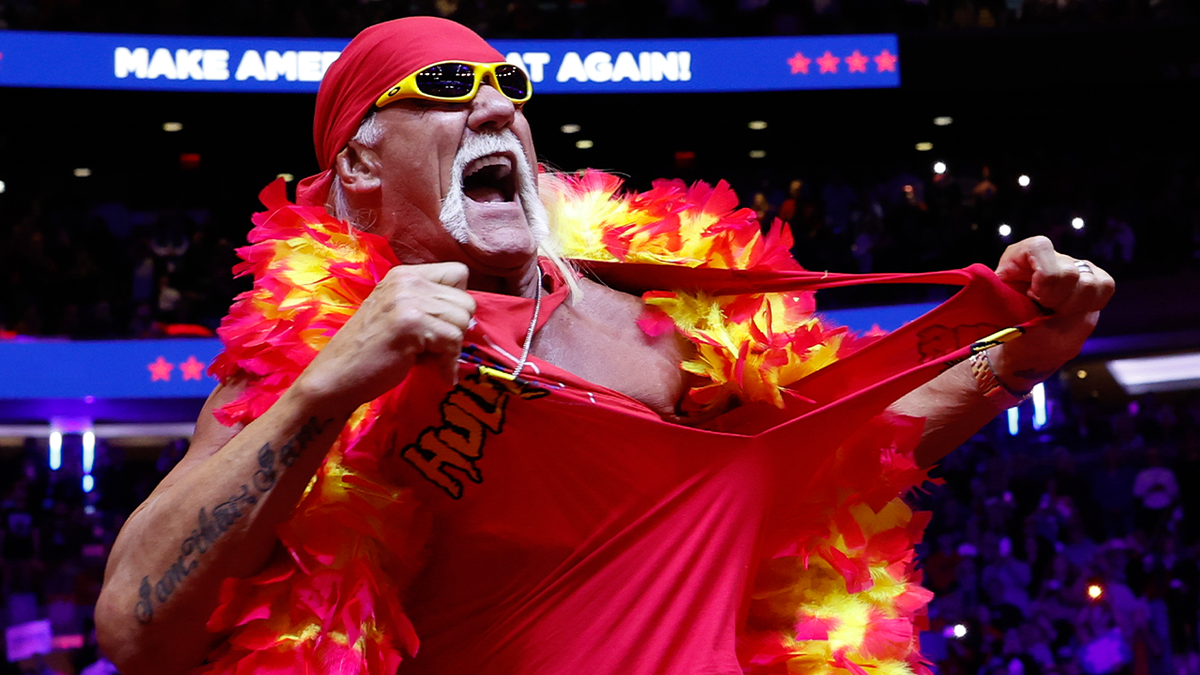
491	110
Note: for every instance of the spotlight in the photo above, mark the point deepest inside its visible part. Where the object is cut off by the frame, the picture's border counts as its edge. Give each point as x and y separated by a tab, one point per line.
172	127
924	146
1040	416
3	187
960	631
1014	421
1005	230
83	172
1077	223
939	168
89	450
89	483
758	154
1023	180
757	125
570	128
1095	591
55	450
1081	374
943	121
583	144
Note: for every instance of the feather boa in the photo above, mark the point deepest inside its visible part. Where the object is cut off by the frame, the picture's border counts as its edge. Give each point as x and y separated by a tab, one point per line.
837	595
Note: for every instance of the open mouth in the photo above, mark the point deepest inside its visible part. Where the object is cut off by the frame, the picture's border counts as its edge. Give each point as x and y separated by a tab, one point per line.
490	179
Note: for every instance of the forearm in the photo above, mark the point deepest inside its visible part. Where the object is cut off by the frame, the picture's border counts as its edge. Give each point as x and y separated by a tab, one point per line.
214	520
954	407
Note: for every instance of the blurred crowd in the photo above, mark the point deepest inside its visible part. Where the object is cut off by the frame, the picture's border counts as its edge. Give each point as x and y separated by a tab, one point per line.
1070	550
581	18
76	269
55	538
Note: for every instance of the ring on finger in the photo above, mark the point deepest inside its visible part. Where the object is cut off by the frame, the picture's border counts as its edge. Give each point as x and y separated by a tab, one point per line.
1083	267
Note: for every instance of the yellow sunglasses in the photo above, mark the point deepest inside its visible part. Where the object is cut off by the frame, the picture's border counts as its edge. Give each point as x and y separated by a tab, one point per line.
459	81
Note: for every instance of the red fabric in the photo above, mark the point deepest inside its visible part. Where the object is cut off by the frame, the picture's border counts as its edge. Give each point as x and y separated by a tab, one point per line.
375	60
575	531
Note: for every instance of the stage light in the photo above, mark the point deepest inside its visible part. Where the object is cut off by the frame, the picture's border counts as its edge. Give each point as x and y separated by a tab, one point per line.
1023	180
924	146
943	121
1174	372
1039	406
570	128
287	177
758	154
55	450
89	483
583	144
1014	421
89	450
1005	230
1077	223
3	187
939	168
172	127
82	172
1095	591
757	125
960	631
1081	374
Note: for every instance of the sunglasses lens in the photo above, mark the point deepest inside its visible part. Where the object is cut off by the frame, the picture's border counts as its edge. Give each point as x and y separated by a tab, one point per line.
446	80
512	81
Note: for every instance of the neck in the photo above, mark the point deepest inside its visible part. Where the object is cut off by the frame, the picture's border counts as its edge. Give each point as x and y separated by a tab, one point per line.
522	282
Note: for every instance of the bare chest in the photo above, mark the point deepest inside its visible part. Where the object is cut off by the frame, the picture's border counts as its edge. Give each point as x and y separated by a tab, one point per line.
598	339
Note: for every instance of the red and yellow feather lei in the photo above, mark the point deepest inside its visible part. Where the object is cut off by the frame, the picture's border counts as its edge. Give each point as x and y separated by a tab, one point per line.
837	596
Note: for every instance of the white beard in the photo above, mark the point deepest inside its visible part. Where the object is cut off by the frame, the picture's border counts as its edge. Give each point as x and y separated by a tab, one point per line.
474	146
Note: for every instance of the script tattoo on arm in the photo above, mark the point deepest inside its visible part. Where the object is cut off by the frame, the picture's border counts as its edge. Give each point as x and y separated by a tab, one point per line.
211	524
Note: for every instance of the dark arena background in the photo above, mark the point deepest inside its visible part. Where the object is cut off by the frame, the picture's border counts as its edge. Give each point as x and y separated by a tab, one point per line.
1066	538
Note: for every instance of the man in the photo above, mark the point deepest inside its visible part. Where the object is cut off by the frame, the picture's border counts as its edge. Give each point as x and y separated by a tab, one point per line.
595	529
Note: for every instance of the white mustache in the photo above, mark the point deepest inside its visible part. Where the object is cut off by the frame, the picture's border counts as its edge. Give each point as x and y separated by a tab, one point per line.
474	146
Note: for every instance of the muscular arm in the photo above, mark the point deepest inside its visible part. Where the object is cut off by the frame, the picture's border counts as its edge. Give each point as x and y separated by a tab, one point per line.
952	405
214	516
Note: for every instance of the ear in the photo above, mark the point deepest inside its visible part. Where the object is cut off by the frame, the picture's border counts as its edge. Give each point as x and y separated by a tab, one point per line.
357	168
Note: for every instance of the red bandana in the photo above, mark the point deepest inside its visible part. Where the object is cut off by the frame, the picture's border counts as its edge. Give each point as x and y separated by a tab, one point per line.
375	60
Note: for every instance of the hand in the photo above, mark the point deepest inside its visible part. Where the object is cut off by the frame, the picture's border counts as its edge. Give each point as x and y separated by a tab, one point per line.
1072	291
417	314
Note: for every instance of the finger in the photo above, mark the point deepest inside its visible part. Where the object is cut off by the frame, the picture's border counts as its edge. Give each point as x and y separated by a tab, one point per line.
449	311
453	274
1022	259
441	337
1055	282
1092	293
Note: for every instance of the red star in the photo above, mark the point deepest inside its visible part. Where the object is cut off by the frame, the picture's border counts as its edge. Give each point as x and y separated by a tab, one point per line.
886	61
828	62
192	369
160	370
857	62
799	63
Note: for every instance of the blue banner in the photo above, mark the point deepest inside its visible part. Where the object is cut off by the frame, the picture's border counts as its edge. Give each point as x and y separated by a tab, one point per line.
282	65
107	369
177	368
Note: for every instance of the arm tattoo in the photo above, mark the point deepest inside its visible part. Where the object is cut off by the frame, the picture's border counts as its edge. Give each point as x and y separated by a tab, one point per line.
212	524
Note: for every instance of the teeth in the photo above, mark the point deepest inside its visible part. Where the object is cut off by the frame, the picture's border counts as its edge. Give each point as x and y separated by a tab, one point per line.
503	161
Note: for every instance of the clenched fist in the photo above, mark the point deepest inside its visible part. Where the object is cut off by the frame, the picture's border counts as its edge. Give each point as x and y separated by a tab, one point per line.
417	314
1072	291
